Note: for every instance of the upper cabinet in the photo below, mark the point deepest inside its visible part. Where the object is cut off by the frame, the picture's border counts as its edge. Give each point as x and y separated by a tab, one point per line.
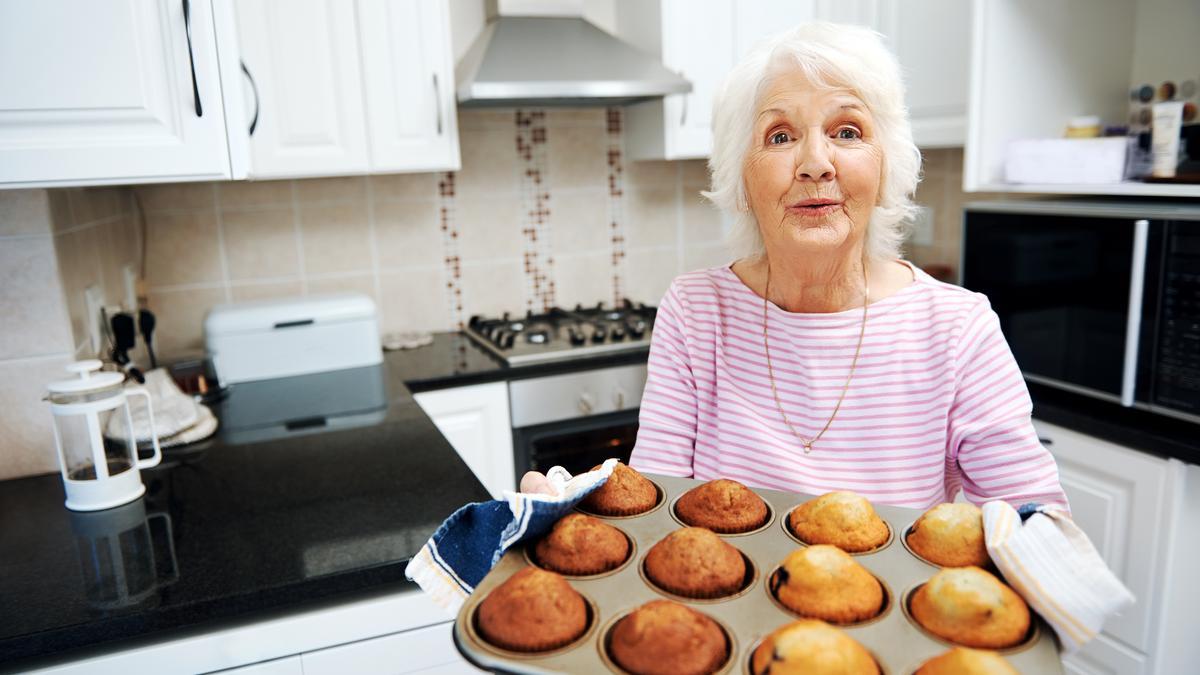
1035	65
110	91
703	40
334	87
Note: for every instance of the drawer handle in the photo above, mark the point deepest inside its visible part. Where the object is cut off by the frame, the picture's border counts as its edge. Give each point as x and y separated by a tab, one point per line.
187	25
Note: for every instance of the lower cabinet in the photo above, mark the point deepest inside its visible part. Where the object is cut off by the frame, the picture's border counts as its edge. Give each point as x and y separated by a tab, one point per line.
428	651
1131	505
476	421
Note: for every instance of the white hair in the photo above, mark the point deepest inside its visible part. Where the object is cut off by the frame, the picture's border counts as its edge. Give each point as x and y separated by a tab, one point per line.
829	55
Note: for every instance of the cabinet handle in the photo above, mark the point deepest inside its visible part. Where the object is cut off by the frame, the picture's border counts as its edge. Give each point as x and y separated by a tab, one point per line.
683	115
437	96
253	88
187	25
1133	317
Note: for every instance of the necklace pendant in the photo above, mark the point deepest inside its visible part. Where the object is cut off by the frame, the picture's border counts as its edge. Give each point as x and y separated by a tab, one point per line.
807	448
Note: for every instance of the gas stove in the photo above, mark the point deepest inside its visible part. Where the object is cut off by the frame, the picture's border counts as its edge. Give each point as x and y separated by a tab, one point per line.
562	334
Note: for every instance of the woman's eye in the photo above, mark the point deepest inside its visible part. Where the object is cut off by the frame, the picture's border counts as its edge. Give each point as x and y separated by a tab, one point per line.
848	133
779	137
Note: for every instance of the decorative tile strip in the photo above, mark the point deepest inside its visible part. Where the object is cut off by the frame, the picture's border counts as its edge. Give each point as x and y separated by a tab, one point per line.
453	264
616	202
535	202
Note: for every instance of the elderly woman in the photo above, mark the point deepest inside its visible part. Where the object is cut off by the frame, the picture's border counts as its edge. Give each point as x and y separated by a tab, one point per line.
819	360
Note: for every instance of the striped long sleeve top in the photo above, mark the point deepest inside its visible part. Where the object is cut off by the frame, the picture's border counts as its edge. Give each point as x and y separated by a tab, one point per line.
936	404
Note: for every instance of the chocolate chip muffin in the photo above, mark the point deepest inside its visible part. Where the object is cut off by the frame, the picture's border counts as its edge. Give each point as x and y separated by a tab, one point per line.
843	519
580	545
696	563
950	535
666	638
824	582
625	493
970	607
532	611
810	646
724	506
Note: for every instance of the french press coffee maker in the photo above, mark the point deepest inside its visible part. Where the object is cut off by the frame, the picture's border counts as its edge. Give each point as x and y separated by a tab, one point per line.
98	471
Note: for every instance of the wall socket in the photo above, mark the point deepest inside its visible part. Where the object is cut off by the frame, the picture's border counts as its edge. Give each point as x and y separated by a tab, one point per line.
93	298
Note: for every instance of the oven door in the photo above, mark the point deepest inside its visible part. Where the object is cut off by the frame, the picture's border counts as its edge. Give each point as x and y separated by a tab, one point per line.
1068	291
577	445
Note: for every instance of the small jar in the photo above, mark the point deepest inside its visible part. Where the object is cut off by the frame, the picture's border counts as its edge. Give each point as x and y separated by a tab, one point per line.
1087	126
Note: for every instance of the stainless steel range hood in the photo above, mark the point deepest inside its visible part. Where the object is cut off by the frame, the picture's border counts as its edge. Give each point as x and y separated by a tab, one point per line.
543	61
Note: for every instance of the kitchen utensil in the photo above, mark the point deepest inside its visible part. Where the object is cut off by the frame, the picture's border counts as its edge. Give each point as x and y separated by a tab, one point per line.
124	339
146	324
98	472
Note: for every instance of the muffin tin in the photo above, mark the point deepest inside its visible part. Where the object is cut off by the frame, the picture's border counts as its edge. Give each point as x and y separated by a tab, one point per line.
898	644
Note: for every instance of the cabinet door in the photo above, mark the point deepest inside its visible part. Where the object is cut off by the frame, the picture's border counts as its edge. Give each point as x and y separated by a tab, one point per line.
107	91
1105	656
697	43
289	665
408	71
475	420
303	58
858	12
756	20
1117	498
931	39
425	650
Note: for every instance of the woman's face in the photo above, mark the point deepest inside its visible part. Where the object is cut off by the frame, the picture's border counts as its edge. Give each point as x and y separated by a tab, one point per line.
814	167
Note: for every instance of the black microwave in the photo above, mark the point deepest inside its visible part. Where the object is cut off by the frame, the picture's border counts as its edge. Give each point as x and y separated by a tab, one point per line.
1102	299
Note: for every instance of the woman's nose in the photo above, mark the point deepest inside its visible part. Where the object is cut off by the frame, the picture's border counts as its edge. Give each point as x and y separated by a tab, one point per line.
813	160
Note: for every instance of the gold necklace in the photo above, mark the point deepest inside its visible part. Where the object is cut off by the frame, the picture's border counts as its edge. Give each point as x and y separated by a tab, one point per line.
808	443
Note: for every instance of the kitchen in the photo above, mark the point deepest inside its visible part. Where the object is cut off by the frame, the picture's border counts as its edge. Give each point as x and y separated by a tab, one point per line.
459	211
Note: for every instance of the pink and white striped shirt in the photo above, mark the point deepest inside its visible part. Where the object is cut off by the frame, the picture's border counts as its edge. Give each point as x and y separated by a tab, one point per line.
937	401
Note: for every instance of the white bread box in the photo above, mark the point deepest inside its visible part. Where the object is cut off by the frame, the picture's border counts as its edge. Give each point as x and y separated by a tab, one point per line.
293	336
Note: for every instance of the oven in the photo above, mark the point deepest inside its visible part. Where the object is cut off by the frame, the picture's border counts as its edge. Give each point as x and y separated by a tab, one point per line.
575	420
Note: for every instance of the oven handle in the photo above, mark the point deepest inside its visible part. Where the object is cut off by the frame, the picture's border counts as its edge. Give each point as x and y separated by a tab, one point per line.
1133	316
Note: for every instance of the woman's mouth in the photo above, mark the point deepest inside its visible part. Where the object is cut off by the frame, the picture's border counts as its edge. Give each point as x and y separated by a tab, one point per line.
815	207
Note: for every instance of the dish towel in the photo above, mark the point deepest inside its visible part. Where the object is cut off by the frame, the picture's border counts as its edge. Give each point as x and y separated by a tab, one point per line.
474	538
1053	565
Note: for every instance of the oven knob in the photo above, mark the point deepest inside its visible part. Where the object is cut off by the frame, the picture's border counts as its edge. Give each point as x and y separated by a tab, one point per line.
617	333
599	333
586	403
577	337
619	398
637	329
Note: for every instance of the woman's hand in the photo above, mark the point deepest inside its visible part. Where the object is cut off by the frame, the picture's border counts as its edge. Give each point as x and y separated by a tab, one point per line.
534	482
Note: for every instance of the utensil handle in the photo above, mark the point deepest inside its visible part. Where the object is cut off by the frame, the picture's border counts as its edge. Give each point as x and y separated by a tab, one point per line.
157	456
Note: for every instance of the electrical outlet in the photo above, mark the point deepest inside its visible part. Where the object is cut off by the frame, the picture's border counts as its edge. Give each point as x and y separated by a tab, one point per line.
922	232
130	276
93	302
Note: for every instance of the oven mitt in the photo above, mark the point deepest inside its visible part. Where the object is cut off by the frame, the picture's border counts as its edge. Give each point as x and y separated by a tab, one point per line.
474	538
1053	565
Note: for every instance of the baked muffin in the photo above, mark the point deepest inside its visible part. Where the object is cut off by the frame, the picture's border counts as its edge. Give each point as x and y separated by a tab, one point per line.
810	646
666	637
969	606
696	563
580	544
824	582
963	661
533	611
724	506
843	519
625	493
950	535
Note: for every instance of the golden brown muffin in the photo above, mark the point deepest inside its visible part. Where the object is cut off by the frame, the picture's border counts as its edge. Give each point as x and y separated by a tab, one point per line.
580	544
810	646
666	637
970	607
963	661
824	582
724	506
696	563
950	535
843	519
533	611
625	493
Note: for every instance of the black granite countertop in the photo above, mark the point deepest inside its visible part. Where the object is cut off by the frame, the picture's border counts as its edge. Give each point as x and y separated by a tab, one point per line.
270	514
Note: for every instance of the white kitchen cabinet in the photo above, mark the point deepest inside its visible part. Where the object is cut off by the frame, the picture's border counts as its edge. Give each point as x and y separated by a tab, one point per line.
1035	65
425	650
347	88
290	665
475	420
110	91
408	73
1131	506
303	88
